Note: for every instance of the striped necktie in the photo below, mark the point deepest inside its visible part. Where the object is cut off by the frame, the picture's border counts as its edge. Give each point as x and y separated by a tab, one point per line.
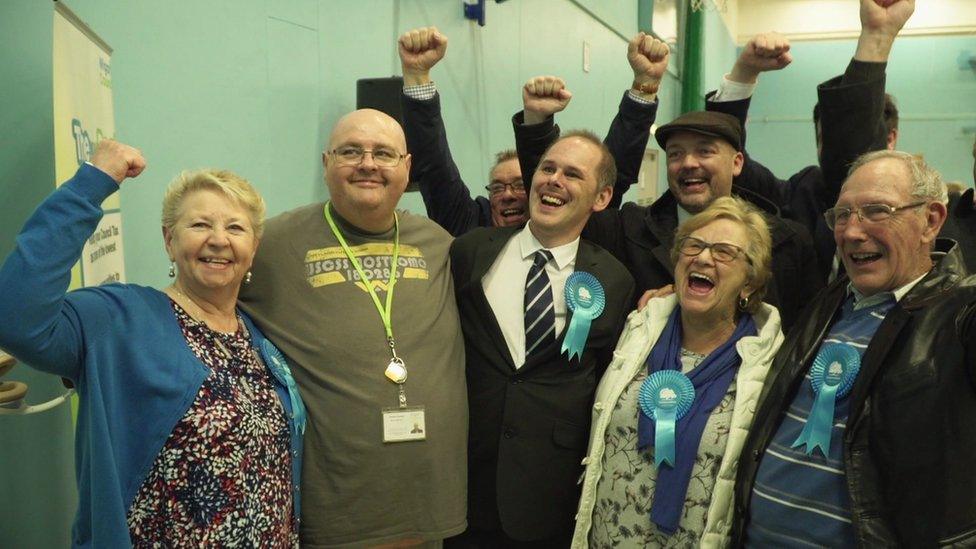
540	317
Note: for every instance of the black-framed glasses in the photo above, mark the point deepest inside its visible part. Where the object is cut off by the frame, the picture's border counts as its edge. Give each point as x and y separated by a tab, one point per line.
721	251
498	188
872	213
350	155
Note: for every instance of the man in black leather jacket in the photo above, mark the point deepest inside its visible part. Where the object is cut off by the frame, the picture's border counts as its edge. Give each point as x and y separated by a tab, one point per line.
896	468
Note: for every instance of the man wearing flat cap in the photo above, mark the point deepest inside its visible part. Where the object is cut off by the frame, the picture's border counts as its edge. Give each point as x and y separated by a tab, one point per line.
704	152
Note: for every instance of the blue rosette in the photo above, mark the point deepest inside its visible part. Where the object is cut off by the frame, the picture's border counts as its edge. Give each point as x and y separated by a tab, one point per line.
665	397
279	368
831	377
586	298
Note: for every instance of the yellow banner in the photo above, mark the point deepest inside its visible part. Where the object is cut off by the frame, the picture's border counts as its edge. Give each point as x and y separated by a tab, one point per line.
83	116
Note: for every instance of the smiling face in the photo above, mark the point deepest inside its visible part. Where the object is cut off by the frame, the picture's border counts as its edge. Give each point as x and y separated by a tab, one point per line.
508	208
707	288
366	192
700	168
212	243
882	256
565	191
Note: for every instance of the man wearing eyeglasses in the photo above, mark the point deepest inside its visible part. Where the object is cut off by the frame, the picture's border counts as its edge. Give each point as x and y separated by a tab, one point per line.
865	433
385	445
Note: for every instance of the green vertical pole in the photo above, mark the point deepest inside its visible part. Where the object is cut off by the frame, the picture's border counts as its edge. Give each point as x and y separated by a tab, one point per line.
692	95
645	15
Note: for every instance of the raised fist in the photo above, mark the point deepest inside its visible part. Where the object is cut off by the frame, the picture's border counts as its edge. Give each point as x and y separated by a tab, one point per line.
118	160
421	49
543	96
648	57
763	52
885	16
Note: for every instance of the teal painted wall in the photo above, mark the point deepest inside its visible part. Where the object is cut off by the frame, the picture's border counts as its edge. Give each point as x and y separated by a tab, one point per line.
930	77
36	452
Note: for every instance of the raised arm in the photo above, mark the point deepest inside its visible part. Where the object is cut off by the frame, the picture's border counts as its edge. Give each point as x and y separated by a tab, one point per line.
762	53
535	129
34	278
851	106
629	130
447	199
631	127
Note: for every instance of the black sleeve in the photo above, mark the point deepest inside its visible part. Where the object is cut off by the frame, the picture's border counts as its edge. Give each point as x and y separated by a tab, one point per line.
755	177
809	280
851	121
531	141
446	197
627	140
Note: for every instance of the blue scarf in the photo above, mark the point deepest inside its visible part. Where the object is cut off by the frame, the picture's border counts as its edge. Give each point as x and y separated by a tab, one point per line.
711	379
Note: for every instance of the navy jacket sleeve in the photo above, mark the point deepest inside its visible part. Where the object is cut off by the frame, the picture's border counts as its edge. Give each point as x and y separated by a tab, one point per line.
627	140
851	122
446	197
755	177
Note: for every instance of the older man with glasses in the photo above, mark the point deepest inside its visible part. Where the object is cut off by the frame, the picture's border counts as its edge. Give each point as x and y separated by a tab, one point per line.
387	411
865	433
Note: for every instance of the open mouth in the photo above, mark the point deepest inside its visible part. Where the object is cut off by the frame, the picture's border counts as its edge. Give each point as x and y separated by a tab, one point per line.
693	184
216	262
700	284
864	258
551	200
513	213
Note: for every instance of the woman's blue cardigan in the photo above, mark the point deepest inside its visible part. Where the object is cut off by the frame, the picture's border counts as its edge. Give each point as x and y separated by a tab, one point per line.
123	349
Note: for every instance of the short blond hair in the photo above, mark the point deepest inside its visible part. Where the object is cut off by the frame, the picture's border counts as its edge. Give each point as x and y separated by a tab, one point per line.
233	186
759	248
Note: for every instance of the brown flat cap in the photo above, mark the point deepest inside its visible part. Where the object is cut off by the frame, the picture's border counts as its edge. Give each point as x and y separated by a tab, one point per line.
715	124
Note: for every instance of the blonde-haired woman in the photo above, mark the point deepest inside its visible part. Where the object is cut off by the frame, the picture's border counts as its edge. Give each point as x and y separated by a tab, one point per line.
672	411
189	426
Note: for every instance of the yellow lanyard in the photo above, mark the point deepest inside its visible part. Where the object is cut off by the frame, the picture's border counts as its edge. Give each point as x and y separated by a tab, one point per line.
386	314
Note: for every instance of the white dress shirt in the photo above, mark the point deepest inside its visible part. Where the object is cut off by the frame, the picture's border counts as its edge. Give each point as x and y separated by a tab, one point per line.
504	286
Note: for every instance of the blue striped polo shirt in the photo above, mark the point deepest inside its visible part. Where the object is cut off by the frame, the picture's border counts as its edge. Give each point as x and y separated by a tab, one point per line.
801	500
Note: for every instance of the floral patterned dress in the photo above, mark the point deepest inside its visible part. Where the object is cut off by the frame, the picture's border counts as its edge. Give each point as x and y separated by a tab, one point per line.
625	492
223	477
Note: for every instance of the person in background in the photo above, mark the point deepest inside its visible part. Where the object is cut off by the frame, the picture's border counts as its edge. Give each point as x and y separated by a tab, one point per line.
711	344
863	436
189	425
853	115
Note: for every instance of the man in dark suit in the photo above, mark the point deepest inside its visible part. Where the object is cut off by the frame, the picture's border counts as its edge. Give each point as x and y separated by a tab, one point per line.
530	397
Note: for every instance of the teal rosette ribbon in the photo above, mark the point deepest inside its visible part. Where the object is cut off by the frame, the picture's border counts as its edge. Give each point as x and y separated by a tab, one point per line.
586	298
665	396
279	368
831	377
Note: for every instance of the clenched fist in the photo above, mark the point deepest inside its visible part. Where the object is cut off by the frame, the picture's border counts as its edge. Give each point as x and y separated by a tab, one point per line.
543	96
763	52
118	160
648	57
420	49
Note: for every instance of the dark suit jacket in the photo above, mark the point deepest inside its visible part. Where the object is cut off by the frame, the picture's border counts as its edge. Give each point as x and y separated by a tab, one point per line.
529	427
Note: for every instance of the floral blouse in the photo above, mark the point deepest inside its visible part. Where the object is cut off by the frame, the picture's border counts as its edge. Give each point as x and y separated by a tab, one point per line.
223	477
625	492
